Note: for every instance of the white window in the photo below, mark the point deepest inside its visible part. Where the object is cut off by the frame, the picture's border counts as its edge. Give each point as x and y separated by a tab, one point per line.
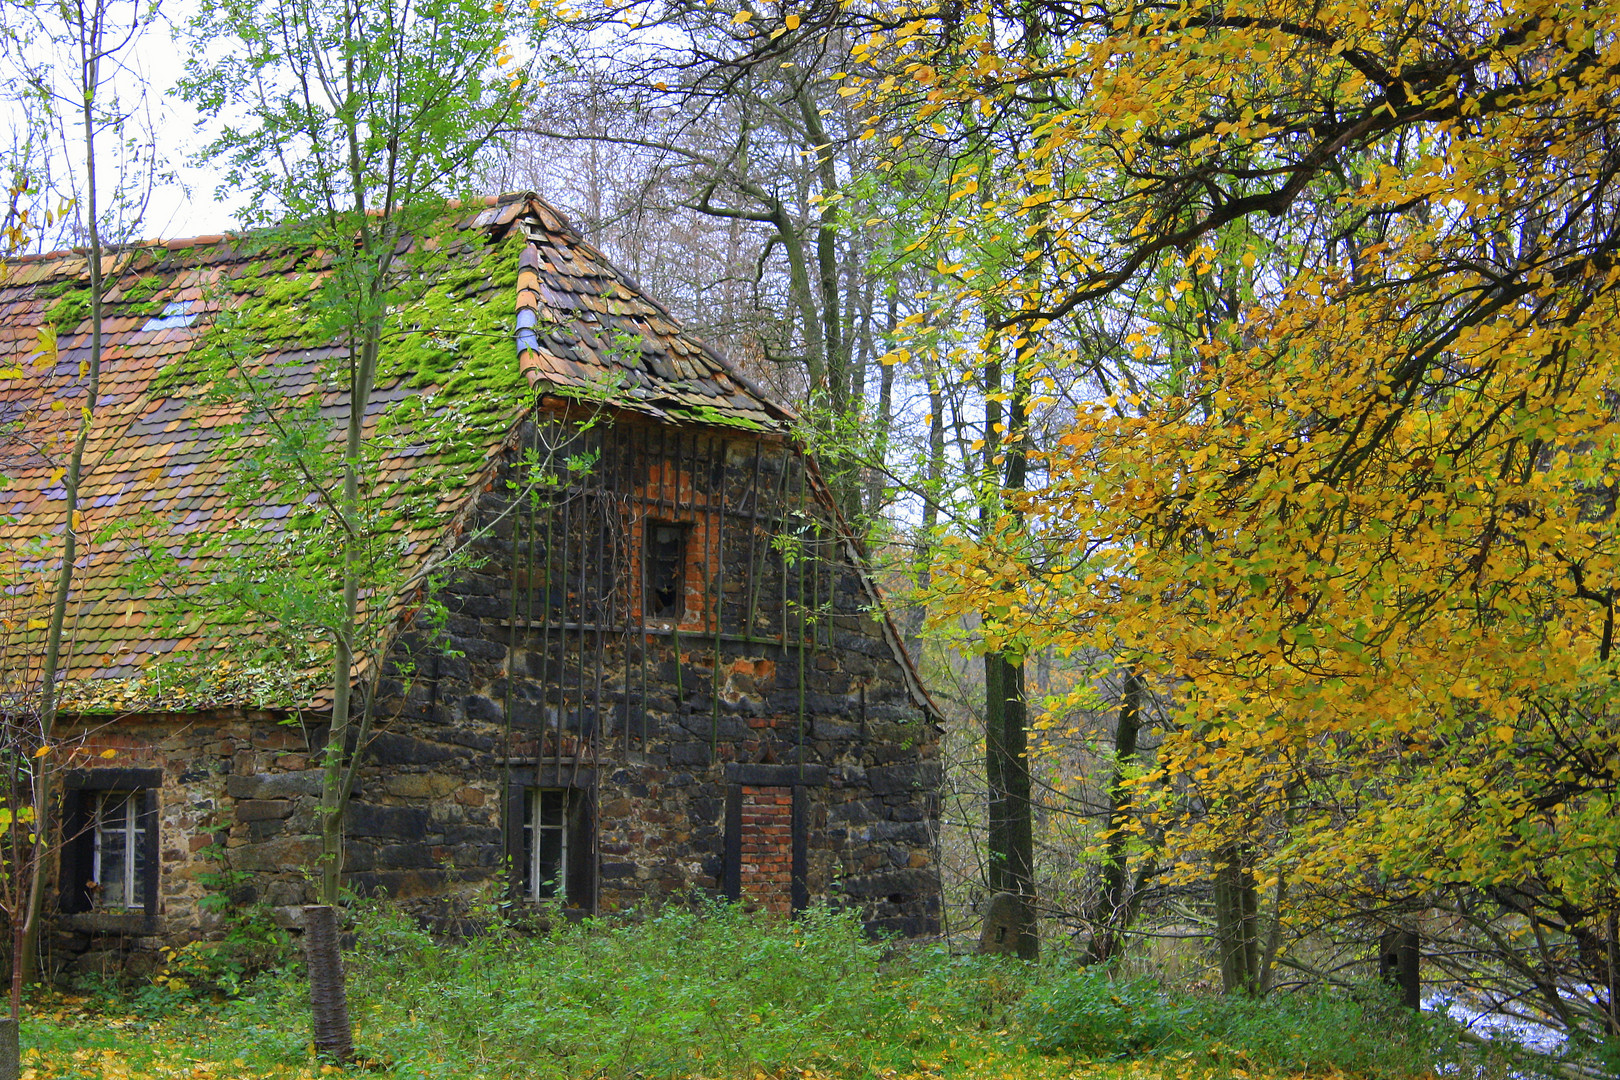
545	843
118	861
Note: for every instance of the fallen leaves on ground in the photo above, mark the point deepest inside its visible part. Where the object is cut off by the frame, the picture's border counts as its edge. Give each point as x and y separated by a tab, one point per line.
73	1044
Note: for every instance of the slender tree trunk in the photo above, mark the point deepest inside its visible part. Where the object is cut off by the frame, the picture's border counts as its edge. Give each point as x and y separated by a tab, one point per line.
934	478
1614	977
24	957
884	420
1114	906
1268	960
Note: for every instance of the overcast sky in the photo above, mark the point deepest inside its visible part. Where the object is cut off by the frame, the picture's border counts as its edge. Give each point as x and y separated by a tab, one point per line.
187	207
184	204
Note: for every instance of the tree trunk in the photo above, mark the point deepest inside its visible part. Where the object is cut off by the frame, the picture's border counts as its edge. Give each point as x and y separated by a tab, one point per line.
923	557
1011	833
1113	906
90	53
328	1001
1236	930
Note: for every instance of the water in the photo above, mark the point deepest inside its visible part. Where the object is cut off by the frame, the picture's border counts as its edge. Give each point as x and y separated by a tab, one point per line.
1489	1023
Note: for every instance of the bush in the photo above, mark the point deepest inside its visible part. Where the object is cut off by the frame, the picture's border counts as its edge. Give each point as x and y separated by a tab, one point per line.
714	992
1367	1033
1088	1012
682	991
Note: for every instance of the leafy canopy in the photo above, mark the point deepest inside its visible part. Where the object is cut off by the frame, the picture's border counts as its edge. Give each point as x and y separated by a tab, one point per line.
1342	280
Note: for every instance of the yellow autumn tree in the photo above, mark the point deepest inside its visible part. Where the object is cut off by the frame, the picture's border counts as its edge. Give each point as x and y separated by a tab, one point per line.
1320	301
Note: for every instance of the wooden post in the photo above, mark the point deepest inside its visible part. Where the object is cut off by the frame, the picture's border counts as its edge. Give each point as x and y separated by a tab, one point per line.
1398	964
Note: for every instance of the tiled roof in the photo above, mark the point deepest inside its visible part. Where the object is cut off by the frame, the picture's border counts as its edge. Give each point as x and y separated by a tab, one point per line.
583	324
580	328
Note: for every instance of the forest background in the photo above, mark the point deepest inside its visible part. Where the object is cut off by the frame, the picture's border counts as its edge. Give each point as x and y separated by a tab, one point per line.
1227	392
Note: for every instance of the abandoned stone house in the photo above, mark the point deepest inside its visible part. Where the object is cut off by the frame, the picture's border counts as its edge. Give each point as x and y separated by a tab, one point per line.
670	676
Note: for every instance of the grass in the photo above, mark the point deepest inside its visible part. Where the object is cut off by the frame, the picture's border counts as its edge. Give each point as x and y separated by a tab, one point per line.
719	995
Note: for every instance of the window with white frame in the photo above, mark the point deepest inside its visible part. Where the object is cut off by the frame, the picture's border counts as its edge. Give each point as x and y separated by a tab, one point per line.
546	825
118	857
109	860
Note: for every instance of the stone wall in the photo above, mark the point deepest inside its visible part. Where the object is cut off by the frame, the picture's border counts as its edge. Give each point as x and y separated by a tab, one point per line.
232	781
778	676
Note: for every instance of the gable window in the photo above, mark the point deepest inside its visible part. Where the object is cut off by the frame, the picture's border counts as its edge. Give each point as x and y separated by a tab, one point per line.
550	836
664	587
110	841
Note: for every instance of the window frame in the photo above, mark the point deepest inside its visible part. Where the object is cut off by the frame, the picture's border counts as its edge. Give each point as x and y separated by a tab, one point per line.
578	878
534	825
83	792
131	824
675	611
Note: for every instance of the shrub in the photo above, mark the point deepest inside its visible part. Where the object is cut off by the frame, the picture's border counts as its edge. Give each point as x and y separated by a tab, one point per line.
1089	1012
1366	1032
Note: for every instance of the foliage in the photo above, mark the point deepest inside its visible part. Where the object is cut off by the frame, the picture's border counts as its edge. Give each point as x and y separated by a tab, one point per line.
248	944
717	993
1092	1012
350	126
1319	305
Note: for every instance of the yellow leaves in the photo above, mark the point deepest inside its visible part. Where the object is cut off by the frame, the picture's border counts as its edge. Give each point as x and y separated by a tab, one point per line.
741	17
791	22
45	349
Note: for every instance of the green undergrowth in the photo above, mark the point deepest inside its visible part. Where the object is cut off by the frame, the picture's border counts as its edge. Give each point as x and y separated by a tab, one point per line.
716	993
1365	1033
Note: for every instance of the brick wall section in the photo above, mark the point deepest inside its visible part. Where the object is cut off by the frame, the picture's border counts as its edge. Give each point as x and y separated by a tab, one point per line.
767	847
485	695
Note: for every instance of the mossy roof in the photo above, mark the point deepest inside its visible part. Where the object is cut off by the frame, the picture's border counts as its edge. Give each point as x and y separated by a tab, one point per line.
572	323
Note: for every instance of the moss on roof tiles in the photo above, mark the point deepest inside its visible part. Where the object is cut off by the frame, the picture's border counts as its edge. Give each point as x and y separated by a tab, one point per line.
154	457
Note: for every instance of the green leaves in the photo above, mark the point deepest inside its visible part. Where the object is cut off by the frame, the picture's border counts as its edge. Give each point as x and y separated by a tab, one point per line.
354	107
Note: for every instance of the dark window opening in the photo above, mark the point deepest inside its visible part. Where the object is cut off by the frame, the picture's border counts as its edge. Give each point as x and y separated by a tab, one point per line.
665	586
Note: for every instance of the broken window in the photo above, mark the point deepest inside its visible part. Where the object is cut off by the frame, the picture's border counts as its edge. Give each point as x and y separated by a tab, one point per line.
119	848
550	836
664	590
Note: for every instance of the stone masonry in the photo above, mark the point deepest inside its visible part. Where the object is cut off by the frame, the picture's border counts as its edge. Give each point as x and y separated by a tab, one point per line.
765	741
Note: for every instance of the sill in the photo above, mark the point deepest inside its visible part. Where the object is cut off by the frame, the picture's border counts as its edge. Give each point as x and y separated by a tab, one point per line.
108	922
